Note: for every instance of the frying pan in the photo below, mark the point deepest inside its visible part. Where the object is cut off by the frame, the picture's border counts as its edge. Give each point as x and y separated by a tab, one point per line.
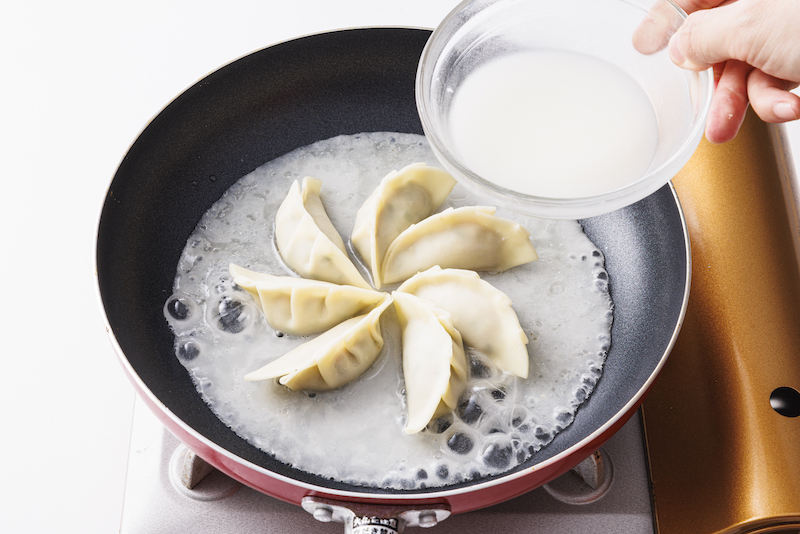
291	95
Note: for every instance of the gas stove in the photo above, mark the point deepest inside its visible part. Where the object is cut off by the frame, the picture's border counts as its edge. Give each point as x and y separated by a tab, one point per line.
722	421
713	449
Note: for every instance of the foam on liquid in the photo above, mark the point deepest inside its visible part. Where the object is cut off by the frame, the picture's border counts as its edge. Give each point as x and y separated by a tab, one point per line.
355	433
553	124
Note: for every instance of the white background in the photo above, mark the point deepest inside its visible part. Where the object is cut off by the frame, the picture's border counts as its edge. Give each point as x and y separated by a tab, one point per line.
79	80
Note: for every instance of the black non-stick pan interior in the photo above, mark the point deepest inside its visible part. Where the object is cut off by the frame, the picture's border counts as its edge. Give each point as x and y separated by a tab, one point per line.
290	95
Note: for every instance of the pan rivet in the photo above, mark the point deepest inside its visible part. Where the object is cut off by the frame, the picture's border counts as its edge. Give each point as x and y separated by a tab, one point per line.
323	514
427	519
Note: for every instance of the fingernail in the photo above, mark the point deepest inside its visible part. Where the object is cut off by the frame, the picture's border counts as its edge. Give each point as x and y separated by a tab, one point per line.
674	50
784	111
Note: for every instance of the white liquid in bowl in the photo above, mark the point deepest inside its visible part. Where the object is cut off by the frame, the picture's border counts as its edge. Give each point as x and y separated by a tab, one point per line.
553	124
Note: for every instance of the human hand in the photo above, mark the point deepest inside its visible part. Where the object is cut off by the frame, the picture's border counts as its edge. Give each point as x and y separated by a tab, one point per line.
754	48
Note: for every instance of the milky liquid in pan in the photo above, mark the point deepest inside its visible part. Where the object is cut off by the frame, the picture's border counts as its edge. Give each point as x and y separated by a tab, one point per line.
355	433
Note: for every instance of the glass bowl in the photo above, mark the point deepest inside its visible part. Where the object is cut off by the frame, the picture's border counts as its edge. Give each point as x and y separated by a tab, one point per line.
537	104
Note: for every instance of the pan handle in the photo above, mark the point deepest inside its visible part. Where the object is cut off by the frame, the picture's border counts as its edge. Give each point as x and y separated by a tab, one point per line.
361	518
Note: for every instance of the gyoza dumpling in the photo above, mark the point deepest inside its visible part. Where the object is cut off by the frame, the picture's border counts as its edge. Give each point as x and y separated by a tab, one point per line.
331	359
403	198
307	240
464	238
479	311
434	364
299	306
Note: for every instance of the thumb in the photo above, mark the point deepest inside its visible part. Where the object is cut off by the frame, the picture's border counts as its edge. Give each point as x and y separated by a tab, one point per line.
702	40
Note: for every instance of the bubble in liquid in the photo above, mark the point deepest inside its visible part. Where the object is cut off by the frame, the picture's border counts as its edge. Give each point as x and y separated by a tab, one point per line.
407	483
180	308
187	350
542	434
478	368
518	416
231	315
498	454
498	394
556	288
470	410
460	443
589	380
442	472
580	394
564	416
440	424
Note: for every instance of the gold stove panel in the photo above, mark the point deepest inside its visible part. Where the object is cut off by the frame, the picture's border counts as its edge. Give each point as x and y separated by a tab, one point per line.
721	459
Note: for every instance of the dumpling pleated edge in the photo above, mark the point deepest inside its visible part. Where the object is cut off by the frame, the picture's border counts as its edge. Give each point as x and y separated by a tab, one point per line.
301	306
470	238
482	313
388	211
331	359
307	241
